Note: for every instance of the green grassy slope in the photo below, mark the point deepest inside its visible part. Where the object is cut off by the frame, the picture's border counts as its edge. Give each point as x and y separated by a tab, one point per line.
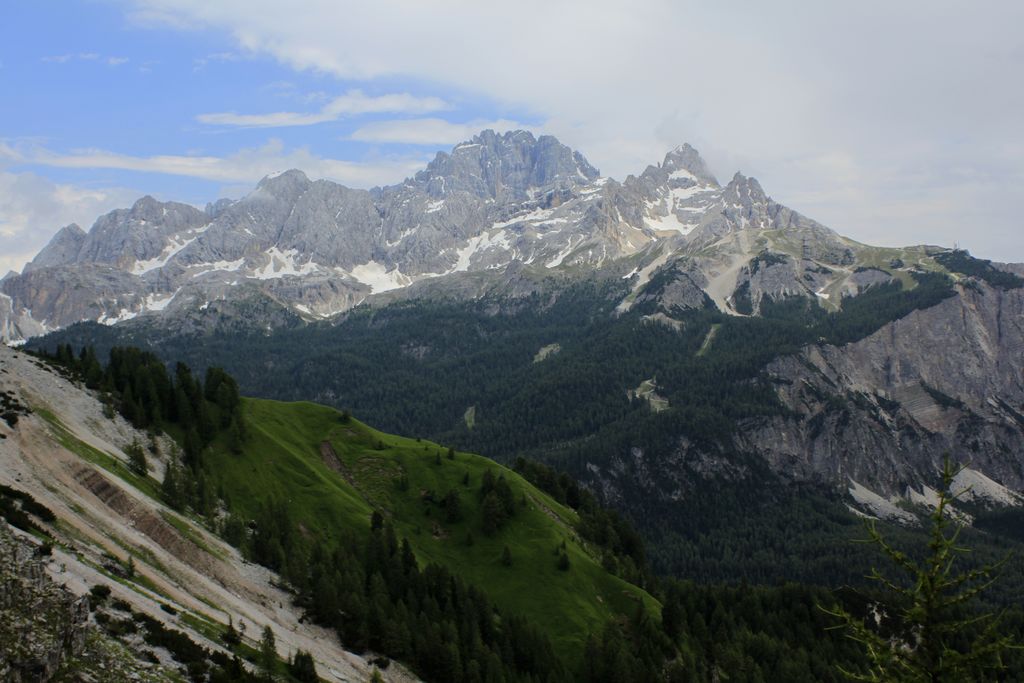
282	458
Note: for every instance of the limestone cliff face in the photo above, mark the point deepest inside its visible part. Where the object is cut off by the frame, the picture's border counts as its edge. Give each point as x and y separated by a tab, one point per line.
882	411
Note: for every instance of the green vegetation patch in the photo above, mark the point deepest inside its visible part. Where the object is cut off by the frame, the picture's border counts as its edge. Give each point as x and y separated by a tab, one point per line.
960	261
333	473
89	453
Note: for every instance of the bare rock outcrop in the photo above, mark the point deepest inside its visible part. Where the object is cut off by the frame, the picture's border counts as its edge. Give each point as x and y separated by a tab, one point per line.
884	410
42	624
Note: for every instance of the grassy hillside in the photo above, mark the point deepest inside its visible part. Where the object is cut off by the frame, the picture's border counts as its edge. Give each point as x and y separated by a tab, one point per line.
287	456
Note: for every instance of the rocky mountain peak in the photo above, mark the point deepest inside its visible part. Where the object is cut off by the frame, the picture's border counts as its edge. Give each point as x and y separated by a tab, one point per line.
72	230
684	159
63	248
745	191
214	209
509	166
285	184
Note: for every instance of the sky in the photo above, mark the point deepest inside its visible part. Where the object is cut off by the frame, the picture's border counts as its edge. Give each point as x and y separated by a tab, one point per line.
893	123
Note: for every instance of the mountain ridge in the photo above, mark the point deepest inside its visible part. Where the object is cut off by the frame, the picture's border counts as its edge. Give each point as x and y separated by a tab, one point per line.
318	248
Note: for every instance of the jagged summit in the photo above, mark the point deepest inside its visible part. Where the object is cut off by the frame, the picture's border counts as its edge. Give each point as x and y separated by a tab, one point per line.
505	166
747	188
62	247
284	183
72	229
502	206
688	160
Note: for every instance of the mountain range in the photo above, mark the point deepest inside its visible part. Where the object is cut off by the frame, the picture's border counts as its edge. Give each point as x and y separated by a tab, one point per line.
508	205
847	364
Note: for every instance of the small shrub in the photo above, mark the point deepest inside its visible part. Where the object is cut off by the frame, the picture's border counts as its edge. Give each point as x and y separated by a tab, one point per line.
100	592
563	562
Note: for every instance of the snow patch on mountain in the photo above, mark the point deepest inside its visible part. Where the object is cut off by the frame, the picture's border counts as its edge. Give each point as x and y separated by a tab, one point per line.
557	260
200	269
670	223
476	245
155	302
379	278
283	264
122	315
534	216
176	245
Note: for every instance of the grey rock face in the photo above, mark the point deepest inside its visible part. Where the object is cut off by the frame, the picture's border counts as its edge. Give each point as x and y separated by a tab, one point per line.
50	296
506	168
884	410
126	236
62	249
16	324
772	276
676	291
686	158
42	624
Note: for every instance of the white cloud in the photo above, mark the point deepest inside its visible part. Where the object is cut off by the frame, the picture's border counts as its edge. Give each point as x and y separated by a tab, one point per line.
85	57
202	62
33	208
352	103
429	131
244	166
755	85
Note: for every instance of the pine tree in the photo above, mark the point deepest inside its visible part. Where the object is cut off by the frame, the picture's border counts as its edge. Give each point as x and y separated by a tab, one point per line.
231	637
506	557
452	507
493	513
268	652
303	668
171	486
931	609
137	459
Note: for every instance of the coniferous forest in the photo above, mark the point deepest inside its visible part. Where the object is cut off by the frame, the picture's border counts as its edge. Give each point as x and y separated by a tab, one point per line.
369	587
